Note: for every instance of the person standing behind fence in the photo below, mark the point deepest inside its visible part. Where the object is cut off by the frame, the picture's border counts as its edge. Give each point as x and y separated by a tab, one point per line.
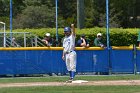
83	42
98	41
139	38
48	40
69	55
14	43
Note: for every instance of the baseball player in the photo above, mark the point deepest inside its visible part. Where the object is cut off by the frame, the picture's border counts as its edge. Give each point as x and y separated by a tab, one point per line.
69	55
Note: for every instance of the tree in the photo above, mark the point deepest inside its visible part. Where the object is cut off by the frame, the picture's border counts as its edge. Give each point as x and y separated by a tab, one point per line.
18	6
90	14
4	7
35	15
128	10
123	13
67	12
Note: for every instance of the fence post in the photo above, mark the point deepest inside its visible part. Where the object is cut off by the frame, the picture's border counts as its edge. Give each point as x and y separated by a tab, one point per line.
134	55
24	39
36	41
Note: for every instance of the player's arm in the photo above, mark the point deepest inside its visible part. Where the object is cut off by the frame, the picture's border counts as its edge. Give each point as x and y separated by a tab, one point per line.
63	56
73	29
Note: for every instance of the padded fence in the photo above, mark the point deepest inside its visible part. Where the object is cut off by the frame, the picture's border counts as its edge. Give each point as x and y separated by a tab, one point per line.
31	62
49	60
92	61
138	60
122	59
43	60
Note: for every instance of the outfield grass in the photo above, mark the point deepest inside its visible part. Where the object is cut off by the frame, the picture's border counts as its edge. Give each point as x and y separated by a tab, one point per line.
64	78
71	89
74	89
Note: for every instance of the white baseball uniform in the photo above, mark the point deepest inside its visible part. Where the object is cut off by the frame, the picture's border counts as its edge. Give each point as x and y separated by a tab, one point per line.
70	54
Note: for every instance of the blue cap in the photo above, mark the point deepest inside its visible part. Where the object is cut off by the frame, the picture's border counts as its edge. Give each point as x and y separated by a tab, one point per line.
67	29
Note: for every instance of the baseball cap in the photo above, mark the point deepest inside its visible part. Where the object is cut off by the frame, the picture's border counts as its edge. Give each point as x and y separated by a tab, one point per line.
47	34
99	34
67	29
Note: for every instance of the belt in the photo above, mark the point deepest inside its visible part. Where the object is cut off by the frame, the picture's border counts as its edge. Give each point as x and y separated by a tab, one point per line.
69	52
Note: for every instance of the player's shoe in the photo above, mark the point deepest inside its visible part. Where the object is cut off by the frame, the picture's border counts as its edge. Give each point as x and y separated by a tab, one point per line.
69	81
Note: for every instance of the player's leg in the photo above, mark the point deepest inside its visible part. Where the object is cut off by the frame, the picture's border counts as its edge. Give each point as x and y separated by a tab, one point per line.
72	64
68	67
68	62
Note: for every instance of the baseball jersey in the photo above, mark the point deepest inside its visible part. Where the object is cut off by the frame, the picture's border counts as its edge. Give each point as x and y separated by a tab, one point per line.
69	43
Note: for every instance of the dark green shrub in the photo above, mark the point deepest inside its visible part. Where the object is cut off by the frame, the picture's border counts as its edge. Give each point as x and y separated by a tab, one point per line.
118	36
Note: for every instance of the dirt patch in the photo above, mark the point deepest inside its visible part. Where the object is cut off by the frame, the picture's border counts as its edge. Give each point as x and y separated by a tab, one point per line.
93	83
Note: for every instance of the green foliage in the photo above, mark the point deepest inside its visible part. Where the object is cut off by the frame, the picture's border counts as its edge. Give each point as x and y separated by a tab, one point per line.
35	15
6	21
67	12
4	8
41	13
118	36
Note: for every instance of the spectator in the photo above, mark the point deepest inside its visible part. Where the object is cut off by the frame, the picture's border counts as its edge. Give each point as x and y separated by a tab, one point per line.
48	40
83	42
14	43
98	41
139	39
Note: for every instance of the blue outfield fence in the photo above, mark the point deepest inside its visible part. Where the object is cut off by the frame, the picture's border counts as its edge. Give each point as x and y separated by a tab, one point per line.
31	62
122	59
40	60
92	61
138	60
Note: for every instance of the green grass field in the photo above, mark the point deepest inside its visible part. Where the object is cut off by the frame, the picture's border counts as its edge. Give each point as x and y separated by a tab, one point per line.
71	89
64	78
74	89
